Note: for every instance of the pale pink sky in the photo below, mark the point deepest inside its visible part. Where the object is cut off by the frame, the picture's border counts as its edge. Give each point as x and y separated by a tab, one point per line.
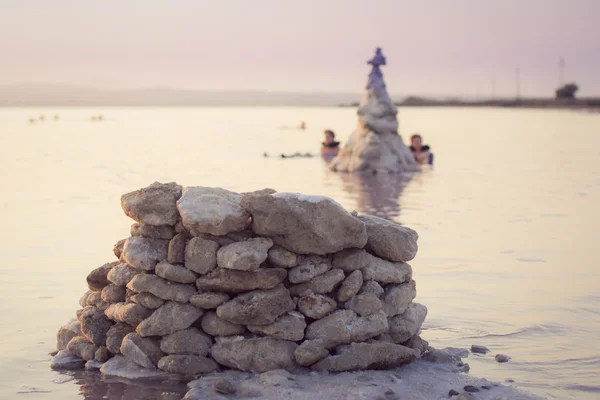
436	47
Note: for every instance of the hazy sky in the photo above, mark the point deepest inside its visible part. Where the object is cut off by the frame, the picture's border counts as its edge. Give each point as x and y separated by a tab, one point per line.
433	46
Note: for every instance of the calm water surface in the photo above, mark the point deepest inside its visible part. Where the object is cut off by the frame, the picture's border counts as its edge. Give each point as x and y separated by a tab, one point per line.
508	221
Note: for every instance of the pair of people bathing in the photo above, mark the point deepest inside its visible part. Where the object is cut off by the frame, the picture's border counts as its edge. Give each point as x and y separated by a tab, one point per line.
421	152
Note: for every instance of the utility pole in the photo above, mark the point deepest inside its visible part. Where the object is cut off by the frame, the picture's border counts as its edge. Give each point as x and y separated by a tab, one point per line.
518	82
561	71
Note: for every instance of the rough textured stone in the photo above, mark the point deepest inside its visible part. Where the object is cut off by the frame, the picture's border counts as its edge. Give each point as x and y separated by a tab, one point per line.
118	248
310	351
153	205
175	273
364	304
65	360
143	254
475	348
259	307
201	255
366	356
397	298
231	237
187	341
384	271
351	259
344	326
94	298
97	279
67	332
232	281
94	325
176	251
256	355
217	326
418	344
161	288
122	367
324	283
305	224
165	232
113	293
288	327
115	335
316	306
282	258
143	351
171	317
308	268
129	313
187	364
83	300
390	240
225	386
350	286
373	288
147	300
102	354
405	325
244	256
212	210
209	300
501	358
81	347
121	274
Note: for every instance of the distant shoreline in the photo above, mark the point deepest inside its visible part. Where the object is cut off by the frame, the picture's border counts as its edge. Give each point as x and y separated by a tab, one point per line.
585	103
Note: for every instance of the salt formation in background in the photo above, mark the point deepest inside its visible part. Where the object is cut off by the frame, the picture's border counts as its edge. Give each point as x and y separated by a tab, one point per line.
211	279
375	145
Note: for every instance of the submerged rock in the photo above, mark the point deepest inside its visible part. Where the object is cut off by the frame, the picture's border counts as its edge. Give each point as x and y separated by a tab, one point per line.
212	210
65	360
256	355
153	205
305	224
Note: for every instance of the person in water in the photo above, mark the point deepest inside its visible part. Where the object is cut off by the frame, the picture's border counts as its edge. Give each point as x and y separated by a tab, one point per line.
422	153
330	147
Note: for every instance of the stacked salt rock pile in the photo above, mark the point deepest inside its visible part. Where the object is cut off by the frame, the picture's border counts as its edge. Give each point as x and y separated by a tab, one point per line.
256	281
375	145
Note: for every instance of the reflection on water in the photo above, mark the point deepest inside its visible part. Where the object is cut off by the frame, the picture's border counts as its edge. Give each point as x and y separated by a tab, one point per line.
94	386
376	194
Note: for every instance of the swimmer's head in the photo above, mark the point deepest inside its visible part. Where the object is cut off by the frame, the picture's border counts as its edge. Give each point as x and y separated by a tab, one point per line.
329	136
416	140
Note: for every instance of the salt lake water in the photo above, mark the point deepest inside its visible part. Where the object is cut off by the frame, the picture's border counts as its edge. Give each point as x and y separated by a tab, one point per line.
508	219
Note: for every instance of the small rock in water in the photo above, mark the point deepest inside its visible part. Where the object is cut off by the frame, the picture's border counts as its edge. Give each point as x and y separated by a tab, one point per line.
224	386
453	392
475	348
471	389
509	380
486	387
501	358
65	360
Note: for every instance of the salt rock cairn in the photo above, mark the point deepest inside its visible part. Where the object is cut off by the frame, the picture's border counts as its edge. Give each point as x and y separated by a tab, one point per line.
375	145
256	281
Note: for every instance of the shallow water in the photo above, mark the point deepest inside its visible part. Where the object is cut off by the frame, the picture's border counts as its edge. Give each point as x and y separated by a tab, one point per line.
507	219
